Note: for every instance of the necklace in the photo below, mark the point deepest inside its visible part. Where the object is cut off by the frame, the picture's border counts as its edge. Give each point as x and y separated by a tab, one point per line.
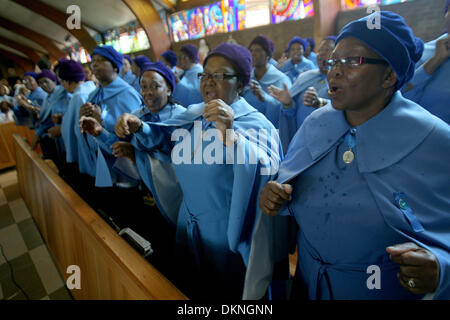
350	140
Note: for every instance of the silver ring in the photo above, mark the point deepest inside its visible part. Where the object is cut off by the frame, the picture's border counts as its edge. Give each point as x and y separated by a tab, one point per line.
223	113
411	283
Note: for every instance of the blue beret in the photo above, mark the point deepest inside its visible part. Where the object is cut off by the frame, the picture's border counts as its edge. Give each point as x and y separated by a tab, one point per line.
265	43
47	74
394	42
170	57
111	54
311	42
447	5
191	51
140	61
30	74
125	56
296	39
71	71
162	69
239	56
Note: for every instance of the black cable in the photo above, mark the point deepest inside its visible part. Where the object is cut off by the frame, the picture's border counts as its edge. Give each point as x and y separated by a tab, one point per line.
12	273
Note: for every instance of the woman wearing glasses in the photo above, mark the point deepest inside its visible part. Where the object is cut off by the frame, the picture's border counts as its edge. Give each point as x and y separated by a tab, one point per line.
218	218
366	177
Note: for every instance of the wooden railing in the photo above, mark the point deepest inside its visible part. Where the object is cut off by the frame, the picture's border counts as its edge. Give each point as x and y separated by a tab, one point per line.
7	130
76	235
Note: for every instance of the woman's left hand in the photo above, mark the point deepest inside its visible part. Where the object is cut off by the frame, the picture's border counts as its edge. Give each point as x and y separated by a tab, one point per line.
218	111
419	268
90	126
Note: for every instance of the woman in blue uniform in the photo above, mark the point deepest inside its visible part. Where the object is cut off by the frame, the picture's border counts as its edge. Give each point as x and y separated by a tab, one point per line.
264	75
218	218
297	63
429	86
187	91
105	105
154	224
310	91
364	178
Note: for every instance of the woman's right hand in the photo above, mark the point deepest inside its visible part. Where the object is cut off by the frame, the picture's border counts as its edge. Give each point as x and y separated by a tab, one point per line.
123	149
273	196
127	124
91	110
281	95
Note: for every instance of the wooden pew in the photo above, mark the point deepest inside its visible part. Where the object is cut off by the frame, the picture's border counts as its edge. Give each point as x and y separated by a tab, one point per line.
7	156
76	235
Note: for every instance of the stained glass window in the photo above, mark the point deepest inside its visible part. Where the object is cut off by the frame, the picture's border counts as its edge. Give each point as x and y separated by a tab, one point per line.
284	10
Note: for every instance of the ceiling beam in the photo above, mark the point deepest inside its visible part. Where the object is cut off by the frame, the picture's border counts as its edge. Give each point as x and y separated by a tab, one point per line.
59	18
149	19
20	47
40	39
26	65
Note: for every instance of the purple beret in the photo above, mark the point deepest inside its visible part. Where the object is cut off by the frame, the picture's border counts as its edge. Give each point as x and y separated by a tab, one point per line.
141	60
191	51
239	56
333	38
47	74
170	57
447	5
71	71
125	56
297	39
30	74
108	52
265	43
162	69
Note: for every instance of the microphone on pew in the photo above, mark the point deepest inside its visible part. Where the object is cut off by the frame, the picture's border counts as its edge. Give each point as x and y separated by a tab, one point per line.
143	246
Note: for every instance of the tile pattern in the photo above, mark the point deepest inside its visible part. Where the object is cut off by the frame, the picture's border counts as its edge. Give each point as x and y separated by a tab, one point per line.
22	244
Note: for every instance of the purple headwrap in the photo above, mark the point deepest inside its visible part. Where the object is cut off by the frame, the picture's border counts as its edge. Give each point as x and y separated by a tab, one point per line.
141	60
71	71
239	56
170	57
265	43
191	51
47	74
447	5
111	54
163	70
297	39
30	74
333	38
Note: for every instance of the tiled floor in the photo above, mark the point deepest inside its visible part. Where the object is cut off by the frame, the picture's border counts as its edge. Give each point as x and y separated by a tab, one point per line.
34	270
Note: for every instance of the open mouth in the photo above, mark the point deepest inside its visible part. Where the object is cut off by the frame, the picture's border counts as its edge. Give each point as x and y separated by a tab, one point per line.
334	91
210	95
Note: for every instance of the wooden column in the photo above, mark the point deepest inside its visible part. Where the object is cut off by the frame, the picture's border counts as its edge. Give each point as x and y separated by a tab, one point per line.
325	14
59	18
149	19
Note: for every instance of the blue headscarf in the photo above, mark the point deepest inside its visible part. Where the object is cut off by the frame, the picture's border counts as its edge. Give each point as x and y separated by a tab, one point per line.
162	69
111	54
296	39
394	42
311	42
170	57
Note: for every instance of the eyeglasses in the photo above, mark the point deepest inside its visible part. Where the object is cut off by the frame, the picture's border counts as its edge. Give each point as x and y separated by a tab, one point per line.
215	76
153	86
353	62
